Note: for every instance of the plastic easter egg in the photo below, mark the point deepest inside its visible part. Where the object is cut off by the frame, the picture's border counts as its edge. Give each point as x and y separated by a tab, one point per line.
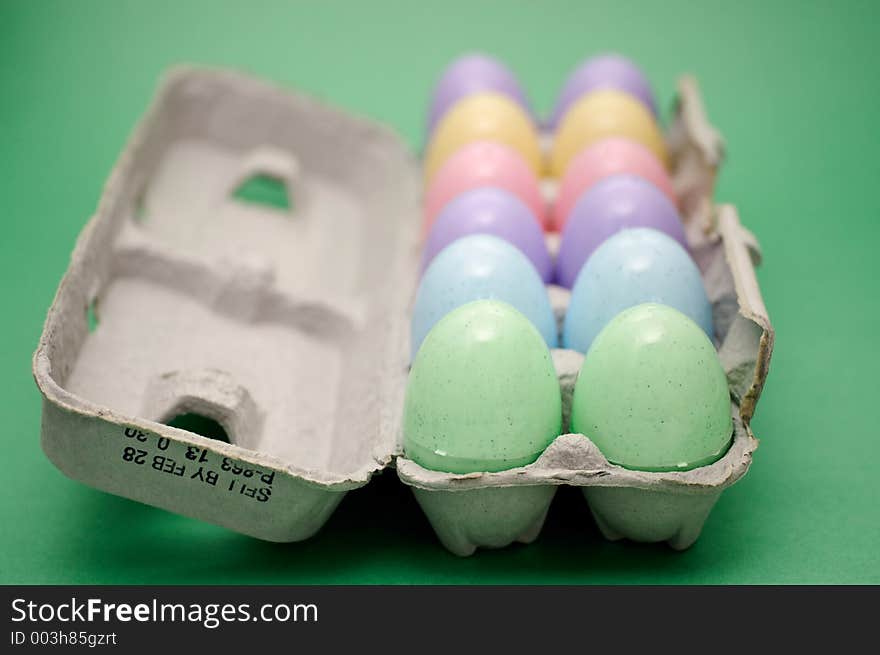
482	393
490	211
599	115
470	74
481	267
630	268
610	71
483	117
484	163
652	394
611	156
613	204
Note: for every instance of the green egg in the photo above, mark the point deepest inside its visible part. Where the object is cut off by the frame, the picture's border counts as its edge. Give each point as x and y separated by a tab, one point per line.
482	393
651	393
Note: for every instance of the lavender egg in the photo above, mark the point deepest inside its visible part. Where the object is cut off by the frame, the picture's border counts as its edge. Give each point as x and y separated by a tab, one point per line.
489	210
609	71
613	204
473	73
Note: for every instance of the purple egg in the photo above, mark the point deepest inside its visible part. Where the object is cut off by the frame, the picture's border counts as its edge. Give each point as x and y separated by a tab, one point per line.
609	71
472	73
488	210
613	204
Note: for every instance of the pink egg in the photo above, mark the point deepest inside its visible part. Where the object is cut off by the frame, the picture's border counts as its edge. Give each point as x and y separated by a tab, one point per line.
608	157
484	164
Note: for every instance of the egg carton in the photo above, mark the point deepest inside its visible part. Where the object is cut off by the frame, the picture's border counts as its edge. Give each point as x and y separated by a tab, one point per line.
492	510
290	328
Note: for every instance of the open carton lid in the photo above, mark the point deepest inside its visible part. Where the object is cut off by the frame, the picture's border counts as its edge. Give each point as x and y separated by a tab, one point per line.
287	325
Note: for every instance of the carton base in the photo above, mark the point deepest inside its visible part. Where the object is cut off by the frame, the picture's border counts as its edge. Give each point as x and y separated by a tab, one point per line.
486	518
650	516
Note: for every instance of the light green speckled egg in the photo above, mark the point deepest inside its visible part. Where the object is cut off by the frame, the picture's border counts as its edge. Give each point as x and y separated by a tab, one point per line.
482	393
651	393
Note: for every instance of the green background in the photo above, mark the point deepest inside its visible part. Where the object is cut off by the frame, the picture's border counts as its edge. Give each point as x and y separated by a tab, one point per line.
793	86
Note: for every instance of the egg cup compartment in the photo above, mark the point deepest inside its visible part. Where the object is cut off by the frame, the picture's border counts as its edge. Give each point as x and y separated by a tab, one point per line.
278	317
642	506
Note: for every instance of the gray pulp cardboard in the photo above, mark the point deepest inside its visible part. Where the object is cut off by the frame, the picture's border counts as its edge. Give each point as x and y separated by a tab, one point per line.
290	328
287	327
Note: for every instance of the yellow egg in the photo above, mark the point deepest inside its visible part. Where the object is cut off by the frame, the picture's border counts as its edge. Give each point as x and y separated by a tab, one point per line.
483	116
599	115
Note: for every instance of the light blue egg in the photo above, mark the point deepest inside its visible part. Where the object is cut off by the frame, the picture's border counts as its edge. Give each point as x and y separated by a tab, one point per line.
630	268
481	267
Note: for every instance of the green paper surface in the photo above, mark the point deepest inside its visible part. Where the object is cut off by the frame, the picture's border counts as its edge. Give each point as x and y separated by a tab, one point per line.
792	86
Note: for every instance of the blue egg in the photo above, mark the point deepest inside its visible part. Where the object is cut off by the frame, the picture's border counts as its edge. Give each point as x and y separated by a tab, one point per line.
481	267
630	268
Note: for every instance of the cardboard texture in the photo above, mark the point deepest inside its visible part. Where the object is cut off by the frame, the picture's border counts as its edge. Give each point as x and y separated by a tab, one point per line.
289	326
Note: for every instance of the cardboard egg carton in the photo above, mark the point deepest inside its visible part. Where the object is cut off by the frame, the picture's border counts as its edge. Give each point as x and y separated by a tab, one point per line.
290	328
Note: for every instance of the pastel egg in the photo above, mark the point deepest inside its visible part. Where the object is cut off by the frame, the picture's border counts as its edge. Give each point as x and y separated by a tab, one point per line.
609	71
482	393
652	394
630	268
613	204
470	74
490	211
481	267
484	163
483	117
610	156
599	115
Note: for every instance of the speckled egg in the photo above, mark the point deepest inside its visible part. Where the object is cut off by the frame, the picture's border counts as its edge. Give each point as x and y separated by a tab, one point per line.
599	115
484	164
613	204
607	71
489	210
483	117
472	73
652	394
481	267
482	394
633	267
611	156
